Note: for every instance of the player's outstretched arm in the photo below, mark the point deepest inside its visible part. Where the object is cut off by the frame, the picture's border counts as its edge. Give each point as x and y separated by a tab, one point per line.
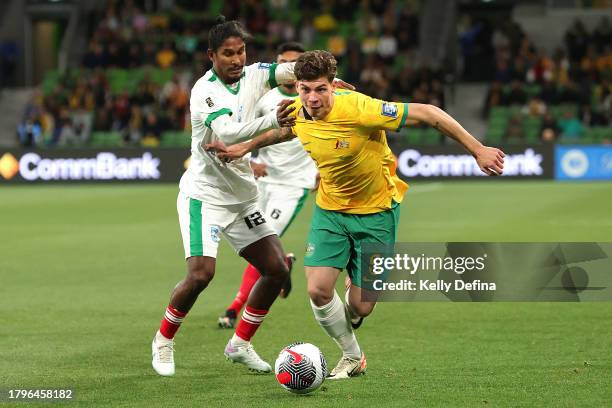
489	159
234	132
236	151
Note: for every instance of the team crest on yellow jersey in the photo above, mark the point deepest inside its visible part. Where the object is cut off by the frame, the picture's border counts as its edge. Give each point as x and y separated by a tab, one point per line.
342	144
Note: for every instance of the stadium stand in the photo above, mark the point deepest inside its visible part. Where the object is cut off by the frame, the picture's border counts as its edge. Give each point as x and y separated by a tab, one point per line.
563	97
137	71
139	66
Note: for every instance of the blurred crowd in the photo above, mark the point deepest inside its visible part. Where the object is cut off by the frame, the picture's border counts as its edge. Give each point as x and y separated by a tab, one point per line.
80	104
374	42
576	75
140	64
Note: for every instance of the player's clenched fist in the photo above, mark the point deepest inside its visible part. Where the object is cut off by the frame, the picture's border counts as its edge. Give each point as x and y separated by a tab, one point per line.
490	160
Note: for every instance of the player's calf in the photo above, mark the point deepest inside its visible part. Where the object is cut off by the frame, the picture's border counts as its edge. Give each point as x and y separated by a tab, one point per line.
286	289
356	309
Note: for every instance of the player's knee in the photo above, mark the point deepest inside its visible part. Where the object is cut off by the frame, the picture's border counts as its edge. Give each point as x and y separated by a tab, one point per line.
277	270
200	276
320	296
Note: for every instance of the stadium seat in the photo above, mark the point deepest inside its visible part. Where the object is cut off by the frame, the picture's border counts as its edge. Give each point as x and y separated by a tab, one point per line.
413	136
495	135
532	90
431	137
601	133
499	113
106	139
558	110
175	139
50	81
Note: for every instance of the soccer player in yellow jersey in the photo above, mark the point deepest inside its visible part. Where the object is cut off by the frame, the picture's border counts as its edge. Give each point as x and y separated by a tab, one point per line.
359	194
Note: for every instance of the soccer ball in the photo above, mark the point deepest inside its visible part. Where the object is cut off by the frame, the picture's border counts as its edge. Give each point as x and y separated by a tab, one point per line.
300	368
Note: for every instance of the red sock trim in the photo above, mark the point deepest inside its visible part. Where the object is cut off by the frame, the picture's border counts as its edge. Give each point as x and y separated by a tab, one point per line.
250	322
171	322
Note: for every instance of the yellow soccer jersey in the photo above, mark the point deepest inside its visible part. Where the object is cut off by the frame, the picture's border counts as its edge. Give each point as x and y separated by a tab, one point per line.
350	148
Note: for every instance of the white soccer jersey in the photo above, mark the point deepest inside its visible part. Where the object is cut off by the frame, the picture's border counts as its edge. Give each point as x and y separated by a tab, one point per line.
288	163
226	113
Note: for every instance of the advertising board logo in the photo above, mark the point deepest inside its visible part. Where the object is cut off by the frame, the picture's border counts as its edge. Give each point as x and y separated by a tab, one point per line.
575	163
413	163
606	162
9	166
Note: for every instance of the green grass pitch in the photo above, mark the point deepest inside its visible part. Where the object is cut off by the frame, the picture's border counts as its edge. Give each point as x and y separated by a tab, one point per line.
86	272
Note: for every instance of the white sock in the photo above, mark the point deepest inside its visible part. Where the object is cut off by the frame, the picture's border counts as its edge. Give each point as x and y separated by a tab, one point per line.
238	341
160	338
333	320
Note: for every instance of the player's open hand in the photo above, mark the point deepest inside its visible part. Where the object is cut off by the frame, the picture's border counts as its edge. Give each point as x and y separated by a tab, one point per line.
259	169
226	153
283	113
233	152
338	83
490	160
215	147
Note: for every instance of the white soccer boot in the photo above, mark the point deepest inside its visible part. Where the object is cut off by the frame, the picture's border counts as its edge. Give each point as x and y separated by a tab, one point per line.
163	355
348	367
246	355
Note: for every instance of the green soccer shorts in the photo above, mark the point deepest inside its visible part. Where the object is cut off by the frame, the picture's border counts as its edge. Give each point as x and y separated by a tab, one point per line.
335	238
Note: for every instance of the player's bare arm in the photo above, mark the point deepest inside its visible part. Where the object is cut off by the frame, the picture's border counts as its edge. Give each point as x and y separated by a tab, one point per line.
236	151
490	159
232	132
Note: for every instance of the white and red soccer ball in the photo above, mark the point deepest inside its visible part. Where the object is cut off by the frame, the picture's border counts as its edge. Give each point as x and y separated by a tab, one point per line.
300	368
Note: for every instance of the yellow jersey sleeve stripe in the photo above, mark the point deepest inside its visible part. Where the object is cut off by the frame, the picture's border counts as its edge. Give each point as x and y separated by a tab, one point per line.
404	117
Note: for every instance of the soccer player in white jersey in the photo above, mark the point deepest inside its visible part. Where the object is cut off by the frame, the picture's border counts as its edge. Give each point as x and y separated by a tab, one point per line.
285	175
219	198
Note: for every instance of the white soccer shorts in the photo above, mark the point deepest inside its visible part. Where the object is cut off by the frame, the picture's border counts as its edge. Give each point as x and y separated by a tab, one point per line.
281	204
202	225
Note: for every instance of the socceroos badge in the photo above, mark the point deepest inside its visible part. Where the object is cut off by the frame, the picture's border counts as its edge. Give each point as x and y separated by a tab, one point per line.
342	144
310	248
389	109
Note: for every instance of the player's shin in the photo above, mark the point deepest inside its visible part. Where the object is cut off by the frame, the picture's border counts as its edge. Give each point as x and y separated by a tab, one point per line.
250	276
262	296
332	318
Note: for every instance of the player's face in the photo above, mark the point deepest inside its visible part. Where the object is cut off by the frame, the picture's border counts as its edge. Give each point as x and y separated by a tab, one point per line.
229	59
288	56
317	96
